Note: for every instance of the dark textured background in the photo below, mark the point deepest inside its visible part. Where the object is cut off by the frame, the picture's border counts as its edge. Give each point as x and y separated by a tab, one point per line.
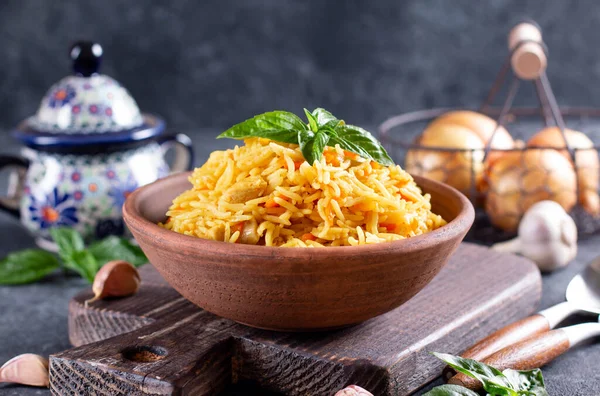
208	65
214	63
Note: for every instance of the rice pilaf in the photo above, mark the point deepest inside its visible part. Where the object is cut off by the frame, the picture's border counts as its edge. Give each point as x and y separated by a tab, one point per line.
265	193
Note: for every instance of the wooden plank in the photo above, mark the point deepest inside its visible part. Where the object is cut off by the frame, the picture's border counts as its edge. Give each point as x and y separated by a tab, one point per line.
169	346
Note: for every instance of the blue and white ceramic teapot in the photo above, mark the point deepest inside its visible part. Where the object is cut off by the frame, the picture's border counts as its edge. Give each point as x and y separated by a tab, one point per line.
87	147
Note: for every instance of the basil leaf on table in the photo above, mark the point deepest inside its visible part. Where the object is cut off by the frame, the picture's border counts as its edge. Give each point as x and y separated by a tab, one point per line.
33	264
450	390
530	382
115	248
492	379
280	126
67	240
84	263
27	266
508	382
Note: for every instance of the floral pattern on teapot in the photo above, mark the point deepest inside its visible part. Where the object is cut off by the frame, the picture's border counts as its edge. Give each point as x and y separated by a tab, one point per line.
80	105
86	192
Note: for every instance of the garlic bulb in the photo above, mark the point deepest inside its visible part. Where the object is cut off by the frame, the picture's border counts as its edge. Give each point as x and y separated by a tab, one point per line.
547	236
587	162
518	180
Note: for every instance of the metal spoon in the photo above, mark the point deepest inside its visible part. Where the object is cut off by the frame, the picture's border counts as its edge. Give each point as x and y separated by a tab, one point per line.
583	294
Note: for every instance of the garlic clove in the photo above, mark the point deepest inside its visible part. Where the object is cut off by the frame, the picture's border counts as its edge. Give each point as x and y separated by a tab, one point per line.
26	369
116	278
353	390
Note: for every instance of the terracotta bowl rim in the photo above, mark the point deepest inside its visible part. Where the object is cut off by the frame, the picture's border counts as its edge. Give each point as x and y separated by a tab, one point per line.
165	238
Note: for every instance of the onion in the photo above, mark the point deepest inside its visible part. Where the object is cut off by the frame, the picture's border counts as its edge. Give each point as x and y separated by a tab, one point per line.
586	161
518	180
461	129
453	168
483	126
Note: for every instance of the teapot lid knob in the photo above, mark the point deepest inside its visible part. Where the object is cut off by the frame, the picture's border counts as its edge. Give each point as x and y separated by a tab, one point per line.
86	57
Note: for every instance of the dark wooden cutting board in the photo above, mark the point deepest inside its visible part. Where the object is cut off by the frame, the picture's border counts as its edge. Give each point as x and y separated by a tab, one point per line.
156	342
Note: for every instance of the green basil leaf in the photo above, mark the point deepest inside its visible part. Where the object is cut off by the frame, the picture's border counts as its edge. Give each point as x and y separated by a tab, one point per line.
115	248
334	124
312	121
450	390
318	145
349	146
361	142
84	263
330	130
27	266
304	136
530	382
280	126
492	379
306	140
68	241
324	117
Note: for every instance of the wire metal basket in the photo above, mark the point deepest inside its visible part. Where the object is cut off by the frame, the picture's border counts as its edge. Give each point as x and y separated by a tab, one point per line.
467	169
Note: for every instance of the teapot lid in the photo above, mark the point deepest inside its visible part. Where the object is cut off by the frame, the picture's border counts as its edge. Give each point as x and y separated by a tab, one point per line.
87	107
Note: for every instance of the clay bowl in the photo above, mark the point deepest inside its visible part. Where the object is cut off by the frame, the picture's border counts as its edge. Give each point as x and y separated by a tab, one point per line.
294	289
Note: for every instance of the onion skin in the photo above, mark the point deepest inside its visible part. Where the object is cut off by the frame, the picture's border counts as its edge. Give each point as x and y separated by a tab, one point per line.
587	162
453	168
518	180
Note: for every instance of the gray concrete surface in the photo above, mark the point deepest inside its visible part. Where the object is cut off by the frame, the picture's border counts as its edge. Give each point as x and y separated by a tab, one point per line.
34	317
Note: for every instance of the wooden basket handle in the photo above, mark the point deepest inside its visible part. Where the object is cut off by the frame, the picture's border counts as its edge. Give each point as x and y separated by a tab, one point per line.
528	58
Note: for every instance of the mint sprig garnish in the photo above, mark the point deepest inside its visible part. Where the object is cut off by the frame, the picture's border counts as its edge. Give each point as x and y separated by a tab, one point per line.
321	129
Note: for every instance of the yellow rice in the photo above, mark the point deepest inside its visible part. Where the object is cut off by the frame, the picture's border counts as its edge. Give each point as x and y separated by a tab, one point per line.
265	193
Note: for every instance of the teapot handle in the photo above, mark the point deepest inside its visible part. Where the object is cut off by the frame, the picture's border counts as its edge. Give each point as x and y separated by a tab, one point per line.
184	152
16	183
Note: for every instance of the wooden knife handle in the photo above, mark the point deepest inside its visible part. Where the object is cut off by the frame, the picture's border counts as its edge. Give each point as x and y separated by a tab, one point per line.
511	334
532	353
